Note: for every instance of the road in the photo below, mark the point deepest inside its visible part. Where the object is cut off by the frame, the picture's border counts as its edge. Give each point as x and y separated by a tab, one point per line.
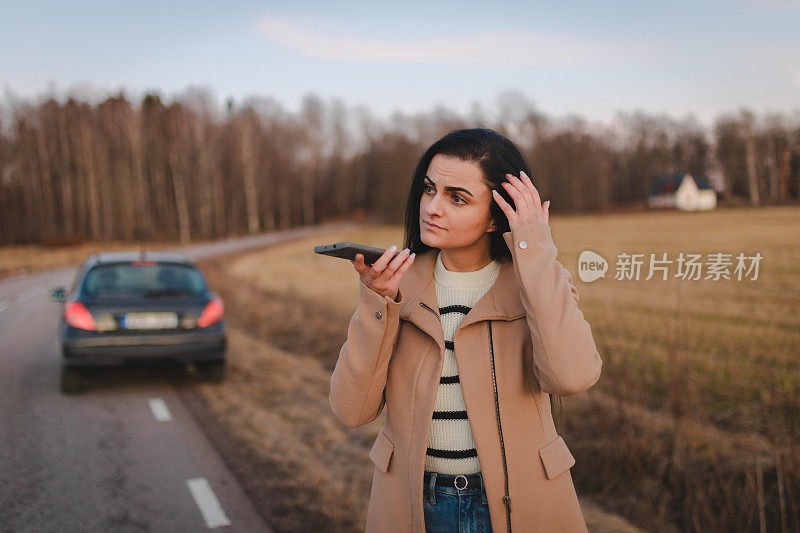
126	455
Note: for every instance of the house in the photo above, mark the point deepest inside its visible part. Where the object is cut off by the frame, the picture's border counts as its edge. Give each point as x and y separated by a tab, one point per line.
682	191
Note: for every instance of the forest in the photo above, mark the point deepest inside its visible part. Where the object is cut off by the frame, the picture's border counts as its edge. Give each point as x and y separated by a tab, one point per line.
188	169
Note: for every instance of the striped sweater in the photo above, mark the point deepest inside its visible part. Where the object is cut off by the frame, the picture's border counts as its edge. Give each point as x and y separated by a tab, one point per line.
451	449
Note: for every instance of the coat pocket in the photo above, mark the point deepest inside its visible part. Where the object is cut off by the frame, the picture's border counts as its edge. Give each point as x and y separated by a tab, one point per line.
381	452
556	457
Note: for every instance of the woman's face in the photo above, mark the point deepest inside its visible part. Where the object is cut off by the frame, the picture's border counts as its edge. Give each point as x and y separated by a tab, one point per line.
462	213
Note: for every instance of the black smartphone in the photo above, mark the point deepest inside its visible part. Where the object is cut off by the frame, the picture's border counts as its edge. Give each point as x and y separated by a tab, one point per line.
348	250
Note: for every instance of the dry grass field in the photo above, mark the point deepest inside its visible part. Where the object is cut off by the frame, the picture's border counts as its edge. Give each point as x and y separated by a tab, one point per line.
28	258
695	422
693	426
725	351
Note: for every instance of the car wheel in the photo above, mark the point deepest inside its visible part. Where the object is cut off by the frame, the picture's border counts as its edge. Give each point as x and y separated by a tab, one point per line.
213	371
71	379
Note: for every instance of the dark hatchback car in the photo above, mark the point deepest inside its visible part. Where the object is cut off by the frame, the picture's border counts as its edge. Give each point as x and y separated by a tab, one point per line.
129	308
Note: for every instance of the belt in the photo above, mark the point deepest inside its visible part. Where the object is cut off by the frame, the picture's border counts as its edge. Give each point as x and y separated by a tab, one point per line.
460	481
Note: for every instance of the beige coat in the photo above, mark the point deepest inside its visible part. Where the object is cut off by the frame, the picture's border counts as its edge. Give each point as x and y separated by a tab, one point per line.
541	344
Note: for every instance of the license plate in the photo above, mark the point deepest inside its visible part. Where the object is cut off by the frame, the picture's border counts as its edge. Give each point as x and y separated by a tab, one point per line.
150	320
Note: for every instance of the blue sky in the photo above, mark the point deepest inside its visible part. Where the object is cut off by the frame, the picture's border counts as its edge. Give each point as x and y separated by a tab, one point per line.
587	58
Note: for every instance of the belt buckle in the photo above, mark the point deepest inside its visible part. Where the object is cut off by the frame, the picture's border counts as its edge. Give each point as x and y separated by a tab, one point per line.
466	482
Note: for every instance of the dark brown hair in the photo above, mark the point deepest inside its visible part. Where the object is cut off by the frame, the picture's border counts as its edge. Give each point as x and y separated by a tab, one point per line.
495	155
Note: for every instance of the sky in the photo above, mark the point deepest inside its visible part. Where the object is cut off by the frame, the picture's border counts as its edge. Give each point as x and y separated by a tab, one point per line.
591	59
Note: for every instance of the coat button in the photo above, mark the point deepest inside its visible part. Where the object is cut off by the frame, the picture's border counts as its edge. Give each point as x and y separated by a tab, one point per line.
378	314
523	244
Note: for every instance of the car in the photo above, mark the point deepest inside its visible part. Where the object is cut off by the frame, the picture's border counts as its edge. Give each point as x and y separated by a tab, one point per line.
139	308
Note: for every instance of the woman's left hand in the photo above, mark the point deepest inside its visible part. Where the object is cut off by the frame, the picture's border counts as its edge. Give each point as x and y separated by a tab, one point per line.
526	199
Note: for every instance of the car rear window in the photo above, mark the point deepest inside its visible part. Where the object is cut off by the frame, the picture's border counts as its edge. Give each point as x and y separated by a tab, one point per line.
143	280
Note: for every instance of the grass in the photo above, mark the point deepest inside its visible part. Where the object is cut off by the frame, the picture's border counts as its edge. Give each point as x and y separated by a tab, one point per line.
694	424
28	258
735	342
695	420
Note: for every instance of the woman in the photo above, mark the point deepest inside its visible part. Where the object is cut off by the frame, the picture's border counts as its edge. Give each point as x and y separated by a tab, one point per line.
463	337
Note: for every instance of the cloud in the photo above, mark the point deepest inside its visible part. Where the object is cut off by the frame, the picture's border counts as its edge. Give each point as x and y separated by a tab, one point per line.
506	49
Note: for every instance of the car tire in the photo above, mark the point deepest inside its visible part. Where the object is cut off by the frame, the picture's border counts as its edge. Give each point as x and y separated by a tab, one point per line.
212	371
71	380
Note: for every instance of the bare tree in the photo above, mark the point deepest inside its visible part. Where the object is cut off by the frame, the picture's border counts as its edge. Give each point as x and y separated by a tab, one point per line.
184	171
750	157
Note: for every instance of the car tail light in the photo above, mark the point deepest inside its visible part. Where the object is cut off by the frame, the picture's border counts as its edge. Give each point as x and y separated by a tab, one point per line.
77	316
212	313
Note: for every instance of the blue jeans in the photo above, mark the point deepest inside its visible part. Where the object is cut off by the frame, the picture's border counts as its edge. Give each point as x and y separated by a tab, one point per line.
450	510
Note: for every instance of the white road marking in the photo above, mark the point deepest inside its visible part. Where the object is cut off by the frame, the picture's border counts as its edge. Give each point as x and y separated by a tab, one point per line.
33	292
3	306
207	502
160	410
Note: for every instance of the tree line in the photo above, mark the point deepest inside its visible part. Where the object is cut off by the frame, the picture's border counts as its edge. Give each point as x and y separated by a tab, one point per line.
185	170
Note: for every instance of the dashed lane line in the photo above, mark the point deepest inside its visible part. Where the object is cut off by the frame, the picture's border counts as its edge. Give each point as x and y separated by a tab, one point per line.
207	502
160	409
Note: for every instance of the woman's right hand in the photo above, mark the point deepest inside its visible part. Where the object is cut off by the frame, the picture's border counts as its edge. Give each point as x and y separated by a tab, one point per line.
384	275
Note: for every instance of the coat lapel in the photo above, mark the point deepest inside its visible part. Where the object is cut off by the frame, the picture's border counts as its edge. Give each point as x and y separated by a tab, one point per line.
501	302
419	290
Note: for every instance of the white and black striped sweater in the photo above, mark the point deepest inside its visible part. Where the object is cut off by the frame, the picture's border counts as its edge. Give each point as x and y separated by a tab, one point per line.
451	448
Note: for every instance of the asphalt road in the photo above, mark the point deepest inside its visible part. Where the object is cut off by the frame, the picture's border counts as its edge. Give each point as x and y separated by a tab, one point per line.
126	455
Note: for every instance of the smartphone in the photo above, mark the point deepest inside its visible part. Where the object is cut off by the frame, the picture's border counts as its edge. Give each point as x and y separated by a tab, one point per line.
348	250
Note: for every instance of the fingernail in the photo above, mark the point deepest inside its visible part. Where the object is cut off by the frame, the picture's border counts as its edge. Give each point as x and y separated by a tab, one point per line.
413	255
393	248
548	204
406	251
